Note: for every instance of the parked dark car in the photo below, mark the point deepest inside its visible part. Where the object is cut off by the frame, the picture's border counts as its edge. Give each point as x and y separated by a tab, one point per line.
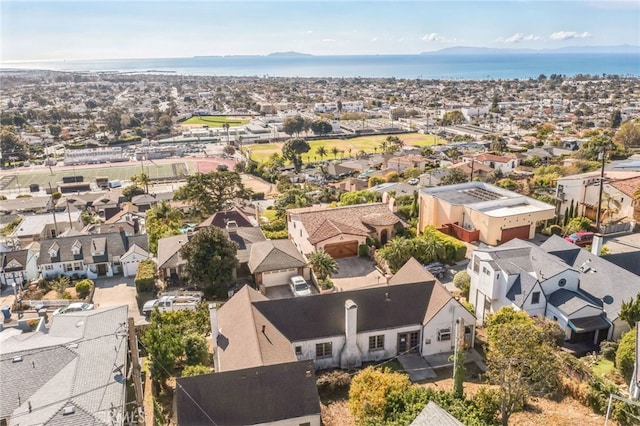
437	269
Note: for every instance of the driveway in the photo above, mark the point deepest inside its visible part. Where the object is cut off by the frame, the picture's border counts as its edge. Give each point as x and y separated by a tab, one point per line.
284	292
118	291
357	272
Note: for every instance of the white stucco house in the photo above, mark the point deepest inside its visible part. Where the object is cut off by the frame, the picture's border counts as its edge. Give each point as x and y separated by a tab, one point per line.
582	292
413	313
19	267
131	259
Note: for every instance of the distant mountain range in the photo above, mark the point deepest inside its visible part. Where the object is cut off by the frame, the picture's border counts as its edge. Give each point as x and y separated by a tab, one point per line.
466	50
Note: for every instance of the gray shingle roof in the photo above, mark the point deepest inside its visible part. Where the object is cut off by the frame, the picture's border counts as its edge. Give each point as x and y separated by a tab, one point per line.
76	363
604	281
569	302
112	244
272	255
379	308
251	396
434	415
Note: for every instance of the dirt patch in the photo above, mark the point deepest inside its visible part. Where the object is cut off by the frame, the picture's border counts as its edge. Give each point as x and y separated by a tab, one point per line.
53	295
258	185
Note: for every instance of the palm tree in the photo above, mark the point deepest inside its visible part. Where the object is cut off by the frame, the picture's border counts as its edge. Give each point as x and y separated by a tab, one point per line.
323	264
432	248
225	126
396	253
335	151
384	145
321	151
609	206
164	214
349	152
141	179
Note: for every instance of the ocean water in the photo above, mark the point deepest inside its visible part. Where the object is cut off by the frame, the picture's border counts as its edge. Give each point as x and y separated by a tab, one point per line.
431	66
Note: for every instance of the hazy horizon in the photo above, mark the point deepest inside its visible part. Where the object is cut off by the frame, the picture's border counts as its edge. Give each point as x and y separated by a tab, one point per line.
101	30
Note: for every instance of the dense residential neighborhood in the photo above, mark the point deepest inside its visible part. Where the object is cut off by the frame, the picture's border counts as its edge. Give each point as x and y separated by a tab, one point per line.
298	244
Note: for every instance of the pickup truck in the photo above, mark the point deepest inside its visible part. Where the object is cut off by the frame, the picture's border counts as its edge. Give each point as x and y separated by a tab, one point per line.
170	303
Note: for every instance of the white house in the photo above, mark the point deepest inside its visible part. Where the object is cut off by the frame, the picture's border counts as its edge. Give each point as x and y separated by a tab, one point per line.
583	190
19	267
414	313
557	280
131	259
91	256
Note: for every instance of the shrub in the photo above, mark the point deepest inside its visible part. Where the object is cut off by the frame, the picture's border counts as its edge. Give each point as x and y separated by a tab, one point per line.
66	296
195	370
626	354
363	250
276	235
462	281
195	349
60	285
331	381
608	349
145	277
83	288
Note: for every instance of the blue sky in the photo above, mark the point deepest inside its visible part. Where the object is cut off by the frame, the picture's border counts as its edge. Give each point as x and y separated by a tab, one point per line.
88	29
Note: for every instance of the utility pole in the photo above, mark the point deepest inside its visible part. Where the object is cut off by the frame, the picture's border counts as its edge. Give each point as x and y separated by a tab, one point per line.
472	164
598	213
55	223
135	365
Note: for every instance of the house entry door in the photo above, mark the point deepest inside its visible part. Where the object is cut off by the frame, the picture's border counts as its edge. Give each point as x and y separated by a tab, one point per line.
408	342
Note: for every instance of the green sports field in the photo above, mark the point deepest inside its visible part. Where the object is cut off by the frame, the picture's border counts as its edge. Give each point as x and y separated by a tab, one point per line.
215	121
368	144
44	177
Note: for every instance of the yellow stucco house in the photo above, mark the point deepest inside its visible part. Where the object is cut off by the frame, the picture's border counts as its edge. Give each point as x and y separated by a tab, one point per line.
477	211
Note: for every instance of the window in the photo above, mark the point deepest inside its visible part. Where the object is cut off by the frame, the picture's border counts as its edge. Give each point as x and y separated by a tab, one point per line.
68	267
77	266
298	350
427	341
476	264
444	335
376	343
562	282
48	267
535	298
323	350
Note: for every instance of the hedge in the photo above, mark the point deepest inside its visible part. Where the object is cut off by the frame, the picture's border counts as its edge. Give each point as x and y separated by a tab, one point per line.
145	277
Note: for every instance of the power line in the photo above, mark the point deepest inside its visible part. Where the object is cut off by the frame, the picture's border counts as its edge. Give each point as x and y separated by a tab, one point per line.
181	387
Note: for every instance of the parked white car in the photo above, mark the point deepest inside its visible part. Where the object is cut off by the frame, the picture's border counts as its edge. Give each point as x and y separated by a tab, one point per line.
299	286
74	307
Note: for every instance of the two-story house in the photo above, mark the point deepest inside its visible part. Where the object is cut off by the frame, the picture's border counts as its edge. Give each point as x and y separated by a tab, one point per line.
558	280
341	230
19	267
478	211
90	256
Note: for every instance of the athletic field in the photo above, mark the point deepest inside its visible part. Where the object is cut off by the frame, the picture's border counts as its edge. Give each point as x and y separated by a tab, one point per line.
368	144
122	172
215	121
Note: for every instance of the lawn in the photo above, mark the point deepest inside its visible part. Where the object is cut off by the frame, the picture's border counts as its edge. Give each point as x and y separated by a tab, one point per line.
603	367
368	144
115	172
215	121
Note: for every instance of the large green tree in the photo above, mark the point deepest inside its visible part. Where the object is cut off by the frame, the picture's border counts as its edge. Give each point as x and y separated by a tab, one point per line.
522	365
211	260
293	150
210	192
293	125
454	175
321	127
630	311
628	135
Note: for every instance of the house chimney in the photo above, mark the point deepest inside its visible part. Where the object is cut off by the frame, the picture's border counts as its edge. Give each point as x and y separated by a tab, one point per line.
350	356
215	331
596	245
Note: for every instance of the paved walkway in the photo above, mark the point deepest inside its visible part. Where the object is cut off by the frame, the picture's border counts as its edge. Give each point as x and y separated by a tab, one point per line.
416	367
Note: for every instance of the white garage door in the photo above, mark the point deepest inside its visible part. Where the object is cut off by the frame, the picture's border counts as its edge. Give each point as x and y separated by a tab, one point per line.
129	269
281	277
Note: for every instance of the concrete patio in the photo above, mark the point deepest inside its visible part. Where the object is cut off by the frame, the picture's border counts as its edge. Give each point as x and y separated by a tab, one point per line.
357	272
